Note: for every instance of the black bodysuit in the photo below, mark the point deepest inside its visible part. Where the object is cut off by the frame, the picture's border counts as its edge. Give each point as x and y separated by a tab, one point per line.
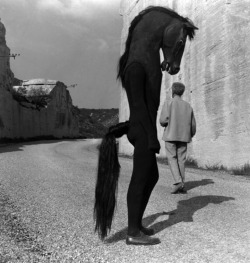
142	135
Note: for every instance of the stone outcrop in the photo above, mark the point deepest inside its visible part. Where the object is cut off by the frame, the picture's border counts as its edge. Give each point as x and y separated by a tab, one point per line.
215	69
21	115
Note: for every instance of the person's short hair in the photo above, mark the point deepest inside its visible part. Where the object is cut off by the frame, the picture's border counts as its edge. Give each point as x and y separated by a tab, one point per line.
178	88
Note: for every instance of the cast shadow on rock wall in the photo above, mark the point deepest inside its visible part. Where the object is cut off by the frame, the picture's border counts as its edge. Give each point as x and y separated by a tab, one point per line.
183	213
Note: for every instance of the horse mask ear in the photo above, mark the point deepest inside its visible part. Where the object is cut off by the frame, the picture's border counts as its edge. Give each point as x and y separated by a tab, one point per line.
190	25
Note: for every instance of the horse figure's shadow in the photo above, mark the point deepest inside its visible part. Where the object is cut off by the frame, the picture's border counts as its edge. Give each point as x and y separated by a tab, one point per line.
183	213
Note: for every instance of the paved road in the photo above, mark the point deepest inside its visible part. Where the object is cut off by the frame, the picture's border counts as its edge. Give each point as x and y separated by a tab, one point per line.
46	205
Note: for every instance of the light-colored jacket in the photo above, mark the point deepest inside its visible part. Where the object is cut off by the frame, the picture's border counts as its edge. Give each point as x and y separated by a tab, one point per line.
178	119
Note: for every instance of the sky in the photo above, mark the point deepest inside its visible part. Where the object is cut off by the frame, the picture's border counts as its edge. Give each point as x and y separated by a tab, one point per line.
73	41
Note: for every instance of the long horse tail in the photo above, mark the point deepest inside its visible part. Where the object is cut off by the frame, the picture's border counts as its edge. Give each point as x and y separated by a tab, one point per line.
107	179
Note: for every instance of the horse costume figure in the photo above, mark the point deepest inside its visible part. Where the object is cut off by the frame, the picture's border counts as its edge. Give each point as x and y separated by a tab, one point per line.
139	70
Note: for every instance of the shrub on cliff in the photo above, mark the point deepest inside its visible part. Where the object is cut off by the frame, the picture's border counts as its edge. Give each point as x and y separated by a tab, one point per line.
38	97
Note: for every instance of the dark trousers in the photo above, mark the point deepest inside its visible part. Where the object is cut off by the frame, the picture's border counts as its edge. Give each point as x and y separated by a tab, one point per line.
144	177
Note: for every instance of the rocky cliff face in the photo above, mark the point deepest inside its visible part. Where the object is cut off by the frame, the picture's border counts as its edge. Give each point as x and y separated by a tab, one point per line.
215	69
22	118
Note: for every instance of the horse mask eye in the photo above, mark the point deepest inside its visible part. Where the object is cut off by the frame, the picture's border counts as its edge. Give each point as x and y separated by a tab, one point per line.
171	35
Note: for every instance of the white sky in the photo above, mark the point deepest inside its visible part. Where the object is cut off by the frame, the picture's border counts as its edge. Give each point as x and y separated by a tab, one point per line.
73	41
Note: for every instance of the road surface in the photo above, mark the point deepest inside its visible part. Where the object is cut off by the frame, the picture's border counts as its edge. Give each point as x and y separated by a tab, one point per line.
46	211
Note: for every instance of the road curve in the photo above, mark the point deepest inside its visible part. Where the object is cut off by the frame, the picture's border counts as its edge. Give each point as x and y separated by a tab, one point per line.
46	211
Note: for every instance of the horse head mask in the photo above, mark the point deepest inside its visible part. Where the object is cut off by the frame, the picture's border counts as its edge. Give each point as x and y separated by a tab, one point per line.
173	44
153	29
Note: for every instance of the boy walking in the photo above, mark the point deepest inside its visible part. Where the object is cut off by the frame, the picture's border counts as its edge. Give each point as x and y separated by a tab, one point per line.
180	126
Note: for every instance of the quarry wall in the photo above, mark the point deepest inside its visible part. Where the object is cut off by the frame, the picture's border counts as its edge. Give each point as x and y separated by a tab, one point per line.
215	69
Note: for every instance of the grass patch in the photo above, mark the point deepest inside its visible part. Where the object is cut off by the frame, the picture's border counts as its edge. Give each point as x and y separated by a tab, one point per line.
244	170
241	170
191	163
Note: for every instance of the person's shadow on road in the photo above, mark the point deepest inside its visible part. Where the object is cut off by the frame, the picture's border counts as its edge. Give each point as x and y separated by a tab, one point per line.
192	184
183	213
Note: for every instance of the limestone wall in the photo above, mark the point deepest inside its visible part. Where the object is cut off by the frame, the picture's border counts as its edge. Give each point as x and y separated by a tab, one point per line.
20	121
215	69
